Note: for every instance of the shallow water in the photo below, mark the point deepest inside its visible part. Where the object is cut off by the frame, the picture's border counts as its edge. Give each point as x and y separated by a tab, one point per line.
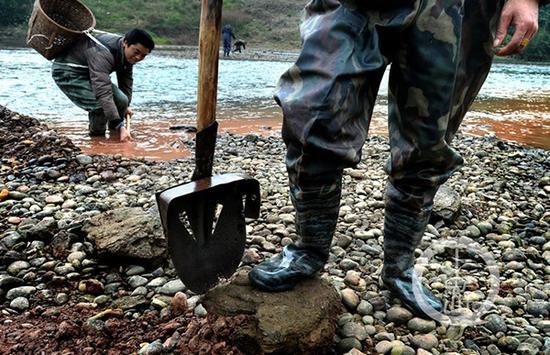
514	103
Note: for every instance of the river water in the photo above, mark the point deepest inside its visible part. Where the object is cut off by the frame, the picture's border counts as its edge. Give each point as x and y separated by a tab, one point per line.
514	103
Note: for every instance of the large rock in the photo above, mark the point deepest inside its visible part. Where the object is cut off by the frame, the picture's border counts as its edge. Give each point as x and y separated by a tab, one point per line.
301	321
447	204
128	233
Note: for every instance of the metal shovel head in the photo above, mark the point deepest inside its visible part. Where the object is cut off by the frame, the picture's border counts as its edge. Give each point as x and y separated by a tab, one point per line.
204	223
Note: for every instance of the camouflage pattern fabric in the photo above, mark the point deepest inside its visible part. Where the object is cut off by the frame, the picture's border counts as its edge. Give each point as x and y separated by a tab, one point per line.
440	53
75	83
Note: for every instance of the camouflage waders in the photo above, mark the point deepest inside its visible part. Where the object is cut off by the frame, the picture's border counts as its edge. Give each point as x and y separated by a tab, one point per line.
441	53
76	85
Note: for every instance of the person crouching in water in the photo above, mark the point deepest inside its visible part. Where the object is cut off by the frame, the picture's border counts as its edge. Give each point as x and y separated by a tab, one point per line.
82	73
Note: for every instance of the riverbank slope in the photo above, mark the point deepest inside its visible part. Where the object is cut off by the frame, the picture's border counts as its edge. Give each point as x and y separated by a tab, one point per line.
54	283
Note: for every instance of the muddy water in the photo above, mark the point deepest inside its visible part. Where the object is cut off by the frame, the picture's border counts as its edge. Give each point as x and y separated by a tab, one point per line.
514	103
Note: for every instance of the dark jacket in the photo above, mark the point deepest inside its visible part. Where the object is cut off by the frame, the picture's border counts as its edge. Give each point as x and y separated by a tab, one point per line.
101	62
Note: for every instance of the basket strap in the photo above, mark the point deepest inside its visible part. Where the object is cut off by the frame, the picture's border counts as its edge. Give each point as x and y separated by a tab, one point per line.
71	65
88	33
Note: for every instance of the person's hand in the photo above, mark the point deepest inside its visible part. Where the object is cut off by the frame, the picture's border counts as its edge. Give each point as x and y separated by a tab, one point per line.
523	15
124	135
129	112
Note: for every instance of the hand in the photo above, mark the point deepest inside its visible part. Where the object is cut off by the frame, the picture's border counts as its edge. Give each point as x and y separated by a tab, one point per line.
124	135
523	15
129	112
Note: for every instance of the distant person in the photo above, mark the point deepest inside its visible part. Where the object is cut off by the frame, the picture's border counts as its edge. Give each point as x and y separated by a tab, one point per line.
238	45
82	73
228	36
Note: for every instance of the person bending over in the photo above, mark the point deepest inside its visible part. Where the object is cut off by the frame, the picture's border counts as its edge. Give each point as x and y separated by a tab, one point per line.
83	74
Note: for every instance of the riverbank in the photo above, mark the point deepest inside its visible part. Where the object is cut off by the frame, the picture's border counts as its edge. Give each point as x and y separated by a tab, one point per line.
57	292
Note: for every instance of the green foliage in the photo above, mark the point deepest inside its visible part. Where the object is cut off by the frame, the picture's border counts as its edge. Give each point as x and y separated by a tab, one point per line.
262	23
14	12
539	48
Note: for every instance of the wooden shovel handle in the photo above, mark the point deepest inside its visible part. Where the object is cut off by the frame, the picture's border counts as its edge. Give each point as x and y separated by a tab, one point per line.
209	42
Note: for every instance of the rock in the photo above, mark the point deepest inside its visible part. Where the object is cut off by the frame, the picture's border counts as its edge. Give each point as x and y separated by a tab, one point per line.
91	286
18	266
348	345
138	235
352	329
365	308
350	299
129	302
179	304
7	282
538	308
84	159
421	325
155	348
171	287
19	304
495	323
425	341
383	347
302	320
22	291
508	344
447	204
398	315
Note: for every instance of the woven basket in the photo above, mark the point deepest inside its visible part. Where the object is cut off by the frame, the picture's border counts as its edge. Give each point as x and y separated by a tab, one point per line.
55	24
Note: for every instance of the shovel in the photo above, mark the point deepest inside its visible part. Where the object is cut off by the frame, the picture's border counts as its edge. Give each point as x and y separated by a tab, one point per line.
204	220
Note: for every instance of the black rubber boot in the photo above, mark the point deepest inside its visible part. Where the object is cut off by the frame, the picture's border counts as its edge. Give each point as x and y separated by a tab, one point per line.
403	231
316	215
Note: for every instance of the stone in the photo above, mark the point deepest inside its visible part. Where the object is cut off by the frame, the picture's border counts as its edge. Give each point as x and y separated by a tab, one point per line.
508	344
398	315
425	341
22	291
139	235
447	204
495	323
84	159
350	299
171	287
303	320
348	344
421	325
19	304
178	304
352	329
128	302
383	347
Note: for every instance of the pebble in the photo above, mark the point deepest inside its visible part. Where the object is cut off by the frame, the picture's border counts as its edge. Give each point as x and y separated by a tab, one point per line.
425	341
350	299
421	325
19	304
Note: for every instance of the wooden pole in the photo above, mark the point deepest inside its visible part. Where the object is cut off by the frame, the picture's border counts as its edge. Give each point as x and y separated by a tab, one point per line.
209	43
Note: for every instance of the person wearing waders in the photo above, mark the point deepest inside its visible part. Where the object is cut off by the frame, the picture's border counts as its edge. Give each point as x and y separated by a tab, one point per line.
440	52
227	36
83	74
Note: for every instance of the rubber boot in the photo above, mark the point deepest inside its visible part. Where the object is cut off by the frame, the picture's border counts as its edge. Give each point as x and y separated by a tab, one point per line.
316	216
97	123
403	231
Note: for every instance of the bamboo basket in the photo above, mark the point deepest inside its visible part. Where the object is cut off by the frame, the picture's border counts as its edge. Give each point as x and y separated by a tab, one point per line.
55	24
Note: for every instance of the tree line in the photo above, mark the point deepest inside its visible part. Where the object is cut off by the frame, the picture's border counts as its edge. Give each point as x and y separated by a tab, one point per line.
16	12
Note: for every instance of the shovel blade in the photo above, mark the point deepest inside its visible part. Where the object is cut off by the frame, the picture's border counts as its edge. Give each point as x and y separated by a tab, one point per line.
204	223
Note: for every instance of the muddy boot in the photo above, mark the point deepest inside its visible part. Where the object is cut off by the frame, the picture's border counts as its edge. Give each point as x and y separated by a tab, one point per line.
403	231
316	215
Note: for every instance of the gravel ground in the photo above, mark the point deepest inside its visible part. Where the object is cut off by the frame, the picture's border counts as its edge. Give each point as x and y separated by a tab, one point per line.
57	296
